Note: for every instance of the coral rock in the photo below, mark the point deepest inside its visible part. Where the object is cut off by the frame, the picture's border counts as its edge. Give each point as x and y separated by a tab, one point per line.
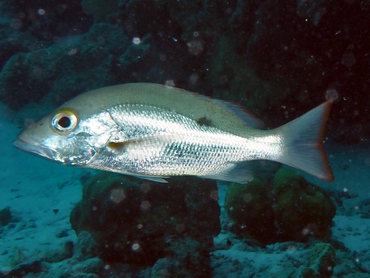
302	209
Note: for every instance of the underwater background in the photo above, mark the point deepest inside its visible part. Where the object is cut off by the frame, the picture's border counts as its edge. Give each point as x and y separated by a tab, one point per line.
278	59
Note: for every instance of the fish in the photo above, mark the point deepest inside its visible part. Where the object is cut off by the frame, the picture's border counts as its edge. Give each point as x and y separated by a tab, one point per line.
154	132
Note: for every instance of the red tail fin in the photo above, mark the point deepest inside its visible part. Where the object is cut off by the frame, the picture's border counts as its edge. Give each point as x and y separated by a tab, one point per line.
303	137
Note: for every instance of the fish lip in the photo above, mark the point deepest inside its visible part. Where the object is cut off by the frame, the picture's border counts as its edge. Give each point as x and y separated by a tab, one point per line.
35	148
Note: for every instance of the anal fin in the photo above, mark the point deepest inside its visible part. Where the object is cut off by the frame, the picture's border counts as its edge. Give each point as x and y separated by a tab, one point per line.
237	172
159	179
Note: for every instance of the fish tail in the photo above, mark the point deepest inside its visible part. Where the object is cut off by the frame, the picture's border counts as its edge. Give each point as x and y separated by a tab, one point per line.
303	136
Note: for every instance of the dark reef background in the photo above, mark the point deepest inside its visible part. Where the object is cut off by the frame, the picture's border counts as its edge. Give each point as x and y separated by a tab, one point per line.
261	54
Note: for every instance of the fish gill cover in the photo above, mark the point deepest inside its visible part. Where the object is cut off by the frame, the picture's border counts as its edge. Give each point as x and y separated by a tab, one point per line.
279	59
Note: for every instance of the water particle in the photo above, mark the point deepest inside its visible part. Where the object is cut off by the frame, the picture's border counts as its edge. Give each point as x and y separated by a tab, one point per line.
193	78
72	52
195	47
291	248
145	187
145	205
16	23
41	12
162	57
345	189
247	198
117	195
135	246
214	195
136	40
331	94
170	83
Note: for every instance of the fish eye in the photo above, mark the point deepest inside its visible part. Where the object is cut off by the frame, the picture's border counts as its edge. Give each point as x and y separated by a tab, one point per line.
64	121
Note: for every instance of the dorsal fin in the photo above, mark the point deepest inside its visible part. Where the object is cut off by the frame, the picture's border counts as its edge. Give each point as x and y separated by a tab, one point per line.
248	118
216	113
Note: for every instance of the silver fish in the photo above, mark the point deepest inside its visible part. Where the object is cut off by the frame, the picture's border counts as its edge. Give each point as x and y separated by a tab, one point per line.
153	131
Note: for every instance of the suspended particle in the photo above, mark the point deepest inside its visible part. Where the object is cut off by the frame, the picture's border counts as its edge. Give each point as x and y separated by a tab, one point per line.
162	57
16	23
72	52
170	83
195	47
117	195
247	198
331	94
41	12
136	40
214	195
145	187
135	246
193	78
145	205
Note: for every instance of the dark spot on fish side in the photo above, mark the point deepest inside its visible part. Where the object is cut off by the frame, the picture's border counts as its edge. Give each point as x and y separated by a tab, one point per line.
204	121
115	145
118	145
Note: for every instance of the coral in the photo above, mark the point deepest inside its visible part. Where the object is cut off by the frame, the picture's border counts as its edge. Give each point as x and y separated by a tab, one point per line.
64	70
294	210
5	216
250	207
85	248
187	259
302	209
322	259
138	222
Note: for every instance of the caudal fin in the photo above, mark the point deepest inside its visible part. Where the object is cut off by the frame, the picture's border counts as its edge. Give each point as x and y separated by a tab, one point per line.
303	142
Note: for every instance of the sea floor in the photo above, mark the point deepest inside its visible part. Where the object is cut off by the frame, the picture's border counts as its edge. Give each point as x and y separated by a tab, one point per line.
41	195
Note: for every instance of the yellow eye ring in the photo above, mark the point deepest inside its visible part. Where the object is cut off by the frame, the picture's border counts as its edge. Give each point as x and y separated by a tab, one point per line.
64	121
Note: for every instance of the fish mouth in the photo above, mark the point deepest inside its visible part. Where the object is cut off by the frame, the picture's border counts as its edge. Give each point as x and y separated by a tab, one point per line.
35	148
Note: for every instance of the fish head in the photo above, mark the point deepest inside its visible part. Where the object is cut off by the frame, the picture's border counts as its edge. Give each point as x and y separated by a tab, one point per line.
67	136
